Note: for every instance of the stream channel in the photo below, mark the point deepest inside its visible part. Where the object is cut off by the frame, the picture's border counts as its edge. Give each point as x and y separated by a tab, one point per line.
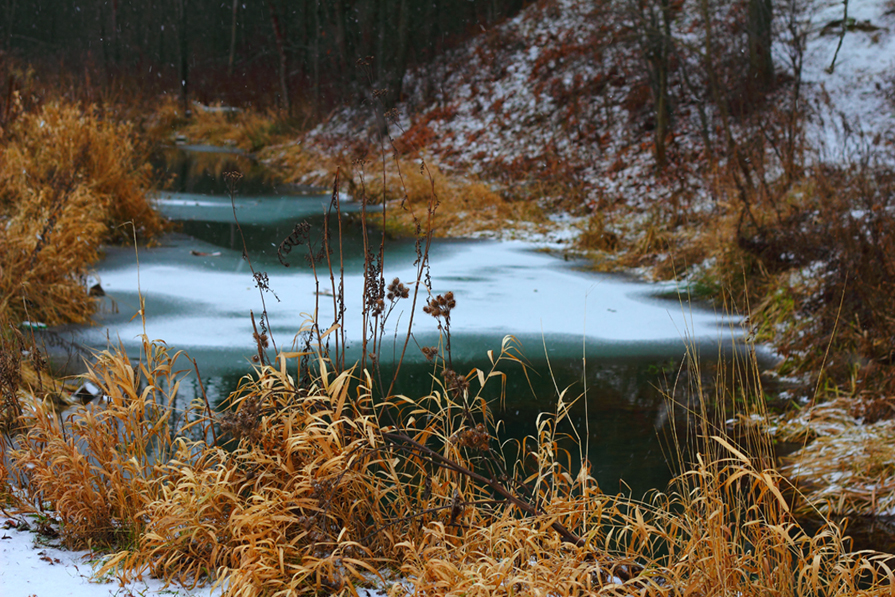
608	333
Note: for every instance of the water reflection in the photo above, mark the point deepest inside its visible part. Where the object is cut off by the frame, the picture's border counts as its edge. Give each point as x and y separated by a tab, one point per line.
199	170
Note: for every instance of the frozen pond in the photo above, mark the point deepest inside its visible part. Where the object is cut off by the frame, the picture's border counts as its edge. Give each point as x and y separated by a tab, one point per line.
608	330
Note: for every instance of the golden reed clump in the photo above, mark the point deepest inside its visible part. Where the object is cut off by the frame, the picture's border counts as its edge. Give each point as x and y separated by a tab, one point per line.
69	181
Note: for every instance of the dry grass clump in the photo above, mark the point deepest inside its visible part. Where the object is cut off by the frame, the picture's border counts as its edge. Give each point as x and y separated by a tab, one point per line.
97	467
848	473
847	463
243	128
68	181
465	206
322	487
284	511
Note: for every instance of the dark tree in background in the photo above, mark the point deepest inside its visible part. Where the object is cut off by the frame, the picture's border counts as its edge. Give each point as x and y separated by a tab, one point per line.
652	25
283	53
758	28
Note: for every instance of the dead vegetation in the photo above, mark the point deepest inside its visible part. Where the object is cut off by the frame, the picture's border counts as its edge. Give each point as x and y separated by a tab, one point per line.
240	128
317	479
69	181
321	495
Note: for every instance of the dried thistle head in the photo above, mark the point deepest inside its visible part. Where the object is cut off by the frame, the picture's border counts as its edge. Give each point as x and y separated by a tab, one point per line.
430	352
397	290
260	339
441	305
455	382
475	438
244	423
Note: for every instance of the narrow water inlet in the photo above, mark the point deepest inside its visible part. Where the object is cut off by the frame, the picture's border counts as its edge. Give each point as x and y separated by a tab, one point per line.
577	329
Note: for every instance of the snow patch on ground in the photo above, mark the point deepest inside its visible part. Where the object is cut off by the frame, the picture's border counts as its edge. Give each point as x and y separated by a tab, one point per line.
33	566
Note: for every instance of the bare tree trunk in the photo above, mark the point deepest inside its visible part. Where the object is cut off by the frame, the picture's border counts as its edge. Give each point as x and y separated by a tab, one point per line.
798	36
381	63
281	51
761	66
10	22
184	56
654	17
232	39
401	53
663	108
116	44
315	34
841	36
341	36
745	186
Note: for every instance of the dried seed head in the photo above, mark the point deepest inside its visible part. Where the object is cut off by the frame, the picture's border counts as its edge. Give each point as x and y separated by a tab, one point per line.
260	339
397	290
427	488
455	382
441	305
475	438
430	352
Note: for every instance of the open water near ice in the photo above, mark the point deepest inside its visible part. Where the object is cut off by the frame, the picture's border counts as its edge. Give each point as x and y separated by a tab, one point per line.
609	334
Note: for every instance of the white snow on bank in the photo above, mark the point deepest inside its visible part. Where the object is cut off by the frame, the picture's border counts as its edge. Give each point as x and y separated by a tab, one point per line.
554	92
852	108
32	566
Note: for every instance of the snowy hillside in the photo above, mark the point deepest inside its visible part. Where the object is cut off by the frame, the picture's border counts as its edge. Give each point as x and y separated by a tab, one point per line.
559	95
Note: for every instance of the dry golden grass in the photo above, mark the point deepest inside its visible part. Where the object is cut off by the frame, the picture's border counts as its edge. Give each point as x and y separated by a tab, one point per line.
97	467
316	498
323	487
465	206
69	180
244	129
282	512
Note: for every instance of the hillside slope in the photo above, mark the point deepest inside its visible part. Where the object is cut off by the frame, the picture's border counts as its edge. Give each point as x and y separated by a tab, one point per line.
556	105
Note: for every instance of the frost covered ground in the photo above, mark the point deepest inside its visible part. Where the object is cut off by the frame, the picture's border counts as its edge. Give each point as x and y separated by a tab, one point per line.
31	565
557	94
